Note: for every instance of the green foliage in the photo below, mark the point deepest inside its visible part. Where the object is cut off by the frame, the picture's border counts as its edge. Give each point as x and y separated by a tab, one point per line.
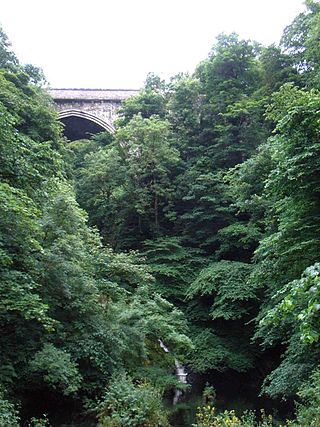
39	422
209	394
286	380
73	311
291	243
78	150
222	296
150	101
207	417
8	413
300	304
56	369
100	298
226	220
126	404
215	352
277	69
36	75
126	186
219	129
245	188
184	114
102	189
150	157
150	317
301	41
292	186
8	60
227	283
227	78
27	120
308	412
173	265
28	171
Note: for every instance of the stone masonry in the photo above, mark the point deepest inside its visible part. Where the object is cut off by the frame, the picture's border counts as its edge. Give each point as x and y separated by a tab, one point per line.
96	105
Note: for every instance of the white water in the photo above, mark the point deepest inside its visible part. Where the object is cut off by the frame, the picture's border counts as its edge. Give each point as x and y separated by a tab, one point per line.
181	374
163	346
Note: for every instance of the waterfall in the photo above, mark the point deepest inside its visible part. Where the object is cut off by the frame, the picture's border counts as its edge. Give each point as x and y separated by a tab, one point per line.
180	372
163	346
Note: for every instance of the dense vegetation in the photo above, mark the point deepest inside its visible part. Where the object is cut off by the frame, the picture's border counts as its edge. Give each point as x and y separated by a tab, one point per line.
195	225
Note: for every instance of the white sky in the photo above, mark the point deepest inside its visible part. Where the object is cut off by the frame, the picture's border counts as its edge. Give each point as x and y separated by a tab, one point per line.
115	43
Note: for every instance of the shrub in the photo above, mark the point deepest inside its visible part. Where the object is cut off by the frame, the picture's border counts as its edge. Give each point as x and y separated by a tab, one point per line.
127	404
39	422
57	369
308	412
8	413
207	417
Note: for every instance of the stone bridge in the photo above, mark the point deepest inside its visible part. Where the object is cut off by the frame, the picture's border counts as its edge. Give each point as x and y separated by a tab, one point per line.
88	111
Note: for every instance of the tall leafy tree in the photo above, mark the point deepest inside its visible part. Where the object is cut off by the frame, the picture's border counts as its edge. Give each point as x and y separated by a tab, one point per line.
129	183
290	243
227	125
301	41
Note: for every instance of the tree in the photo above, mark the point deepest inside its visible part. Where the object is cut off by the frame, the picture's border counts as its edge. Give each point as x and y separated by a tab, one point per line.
128	182
8	60
221	131
291	241
150	101
301	41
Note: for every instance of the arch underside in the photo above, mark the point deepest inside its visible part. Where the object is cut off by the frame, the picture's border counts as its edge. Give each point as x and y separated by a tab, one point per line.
82	125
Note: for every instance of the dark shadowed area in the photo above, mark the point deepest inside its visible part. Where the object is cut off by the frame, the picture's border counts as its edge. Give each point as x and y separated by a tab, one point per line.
79	128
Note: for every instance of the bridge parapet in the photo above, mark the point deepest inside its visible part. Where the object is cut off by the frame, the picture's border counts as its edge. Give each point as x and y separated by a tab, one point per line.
117	95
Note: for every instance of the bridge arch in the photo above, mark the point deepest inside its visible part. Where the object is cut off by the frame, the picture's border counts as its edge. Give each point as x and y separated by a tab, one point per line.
84	115
87	111
81	124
